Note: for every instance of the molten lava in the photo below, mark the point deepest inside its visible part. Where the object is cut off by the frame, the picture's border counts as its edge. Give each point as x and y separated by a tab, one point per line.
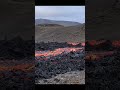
83	44
74	44
56	52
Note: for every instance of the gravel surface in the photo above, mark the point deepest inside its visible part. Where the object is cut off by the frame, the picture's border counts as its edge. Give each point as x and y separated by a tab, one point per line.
74	77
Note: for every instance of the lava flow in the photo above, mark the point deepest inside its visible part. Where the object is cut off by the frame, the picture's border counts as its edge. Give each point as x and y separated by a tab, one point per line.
74	44
56	52
98	55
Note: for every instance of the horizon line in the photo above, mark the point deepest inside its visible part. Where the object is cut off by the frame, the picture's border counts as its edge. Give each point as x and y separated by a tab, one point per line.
61	20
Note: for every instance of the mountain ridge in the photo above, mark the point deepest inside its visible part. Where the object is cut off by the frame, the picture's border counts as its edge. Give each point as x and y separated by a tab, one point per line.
64	23
60	34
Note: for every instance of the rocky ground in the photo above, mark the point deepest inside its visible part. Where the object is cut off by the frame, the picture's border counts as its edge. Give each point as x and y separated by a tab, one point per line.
74	77
103	74
65	65
17	75
53	45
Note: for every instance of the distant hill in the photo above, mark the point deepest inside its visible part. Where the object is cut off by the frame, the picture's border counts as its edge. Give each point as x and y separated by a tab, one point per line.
60	34
50	25
64	23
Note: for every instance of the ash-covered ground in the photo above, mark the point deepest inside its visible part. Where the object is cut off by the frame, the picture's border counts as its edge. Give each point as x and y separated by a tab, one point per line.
59	60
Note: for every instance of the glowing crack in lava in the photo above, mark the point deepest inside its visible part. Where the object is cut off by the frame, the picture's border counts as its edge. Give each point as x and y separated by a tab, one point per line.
56	52
83	44
74	44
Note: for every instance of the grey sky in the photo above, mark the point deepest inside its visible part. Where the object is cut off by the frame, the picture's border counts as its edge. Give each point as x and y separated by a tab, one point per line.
66	13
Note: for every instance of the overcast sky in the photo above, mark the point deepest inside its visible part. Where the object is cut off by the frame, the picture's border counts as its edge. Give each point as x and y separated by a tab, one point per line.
66	13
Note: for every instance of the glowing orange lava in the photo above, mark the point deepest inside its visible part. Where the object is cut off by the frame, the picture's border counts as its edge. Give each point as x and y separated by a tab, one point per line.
56	52
83	44
74	44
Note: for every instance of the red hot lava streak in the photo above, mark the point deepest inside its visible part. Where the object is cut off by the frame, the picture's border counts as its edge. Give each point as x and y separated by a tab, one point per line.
74	44
56	52
83	44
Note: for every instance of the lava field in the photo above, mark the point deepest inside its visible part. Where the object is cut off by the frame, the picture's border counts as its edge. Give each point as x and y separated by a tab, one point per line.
102	63
17	64
17	74
52	62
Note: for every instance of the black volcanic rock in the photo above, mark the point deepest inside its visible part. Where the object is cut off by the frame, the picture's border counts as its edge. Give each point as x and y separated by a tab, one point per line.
59	64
